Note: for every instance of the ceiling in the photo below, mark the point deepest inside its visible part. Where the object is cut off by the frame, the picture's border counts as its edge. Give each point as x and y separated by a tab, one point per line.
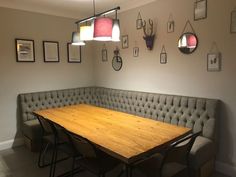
71	8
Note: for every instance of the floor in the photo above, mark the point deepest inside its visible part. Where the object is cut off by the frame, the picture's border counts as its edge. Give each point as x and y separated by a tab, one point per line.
20	162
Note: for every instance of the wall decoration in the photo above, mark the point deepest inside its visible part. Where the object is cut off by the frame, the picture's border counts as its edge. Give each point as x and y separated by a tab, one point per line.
200	9
188	41
104	53
135	52
139	22
73	53
233	22
51	51
213	62
148	37
125	41
24	50
170	24
163	55
117	60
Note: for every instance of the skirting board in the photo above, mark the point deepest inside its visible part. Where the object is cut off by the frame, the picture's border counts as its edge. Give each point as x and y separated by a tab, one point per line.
225	168
11	143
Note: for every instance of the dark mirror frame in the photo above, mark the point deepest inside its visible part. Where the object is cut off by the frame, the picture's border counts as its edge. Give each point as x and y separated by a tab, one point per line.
115	60
183	50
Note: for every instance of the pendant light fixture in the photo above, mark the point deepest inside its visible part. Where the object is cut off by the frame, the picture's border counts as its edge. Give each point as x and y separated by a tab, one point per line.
76	38
116	30
99	27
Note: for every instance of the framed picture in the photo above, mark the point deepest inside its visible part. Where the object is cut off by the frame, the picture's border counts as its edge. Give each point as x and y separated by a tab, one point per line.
233	22
51	51
170	26
125	42
73	53
25	50
213	62
200	9
104	55
139	22
163	58
135	52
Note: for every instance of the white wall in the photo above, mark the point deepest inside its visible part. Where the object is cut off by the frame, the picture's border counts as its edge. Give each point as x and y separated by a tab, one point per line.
183	74
16	77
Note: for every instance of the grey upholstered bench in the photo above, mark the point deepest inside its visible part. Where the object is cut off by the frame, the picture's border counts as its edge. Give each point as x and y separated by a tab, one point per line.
199	114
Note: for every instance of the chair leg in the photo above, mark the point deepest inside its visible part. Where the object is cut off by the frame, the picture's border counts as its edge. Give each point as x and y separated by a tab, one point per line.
52	161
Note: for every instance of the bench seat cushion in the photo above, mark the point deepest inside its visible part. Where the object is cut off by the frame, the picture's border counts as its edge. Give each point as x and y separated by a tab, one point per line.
32	129
203	149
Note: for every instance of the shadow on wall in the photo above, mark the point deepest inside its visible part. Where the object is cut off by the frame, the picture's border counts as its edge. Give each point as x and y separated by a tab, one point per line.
18	139
224	136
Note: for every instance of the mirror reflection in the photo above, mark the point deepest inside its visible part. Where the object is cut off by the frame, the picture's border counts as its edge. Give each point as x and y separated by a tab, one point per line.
188	43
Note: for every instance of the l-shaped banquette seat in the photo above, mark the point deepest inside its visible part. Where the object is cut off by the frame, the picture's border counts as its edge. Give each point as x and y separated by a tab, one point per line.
199	114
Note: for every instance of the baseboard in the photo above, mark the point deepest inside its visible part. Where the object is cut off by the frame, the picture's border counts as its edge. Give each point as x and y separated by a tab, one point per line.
11	143
225	169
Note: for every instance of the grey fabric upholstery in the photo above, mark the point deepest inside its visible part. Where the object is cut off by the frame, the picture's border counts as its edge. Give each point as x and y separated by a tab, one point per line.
199	114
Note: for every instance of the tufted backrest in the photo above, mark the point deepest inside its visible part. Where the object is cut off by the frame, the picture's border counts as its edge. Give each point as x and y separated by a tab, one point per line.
198	114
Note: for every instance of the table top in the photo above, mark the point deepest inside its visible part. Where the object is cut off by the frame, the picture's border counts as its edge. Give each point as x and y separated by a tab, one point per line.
124	136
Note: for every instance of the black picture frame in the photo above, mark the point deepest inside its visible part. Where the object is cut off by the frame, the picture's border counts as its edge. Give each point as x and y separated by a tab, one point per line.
135	52
51	51
74	53
170	26
163	58
125	42
104	55
25	51
200	10
233	22
214	62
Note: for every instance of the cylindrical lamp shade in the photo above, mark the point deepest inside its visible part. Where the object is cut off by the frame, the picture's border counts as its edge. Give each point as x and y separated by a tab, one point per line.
116	31
76	39
103	29
86	33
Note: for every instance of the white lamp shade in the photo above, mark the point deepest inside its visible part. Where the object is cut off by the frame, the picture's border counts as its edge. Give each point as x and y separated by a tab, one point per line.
76	39
103	29
86	33
116	30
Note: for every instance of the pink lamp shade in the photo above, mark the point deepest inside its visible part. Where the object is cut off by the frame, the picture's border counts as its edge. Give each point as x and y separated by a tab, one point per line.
103	29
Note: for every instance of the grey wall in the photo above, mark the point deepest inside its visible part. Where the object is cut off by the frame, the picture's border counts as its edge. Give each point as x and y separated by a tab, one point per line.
183	74
16	77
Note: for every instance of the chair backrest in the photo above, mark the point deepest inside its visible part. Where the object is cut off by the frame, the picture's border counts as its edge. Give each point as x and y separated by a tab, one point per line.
179	150
82	145
46	127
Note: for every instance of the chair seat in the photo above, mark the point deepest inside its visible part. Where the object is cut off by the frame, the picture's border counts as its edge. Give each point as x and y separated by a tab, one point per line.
98	165
151	166
174	170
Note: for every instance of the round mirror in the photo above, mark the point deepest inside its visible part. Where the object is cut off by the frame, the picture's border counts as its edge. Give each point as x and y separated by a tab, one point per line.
117	63
188	43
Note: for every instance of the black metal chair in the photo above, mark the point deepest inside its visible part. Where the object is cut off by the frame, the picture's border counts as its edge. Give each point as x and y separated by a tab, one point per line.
55	138
92	159
172	163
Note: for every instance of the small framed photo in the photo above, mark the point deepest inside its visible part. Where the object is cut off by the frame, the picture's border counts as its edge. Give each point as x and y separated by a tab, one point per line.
104	55
135	52
139	22
51	51
73	53
25	50
170	26
200	9
233	22
163	58
213	62
125	42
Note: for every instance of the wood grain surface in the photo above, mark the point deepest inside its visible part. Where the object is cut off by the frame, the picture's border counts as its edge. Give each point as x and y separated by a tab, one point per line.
122	135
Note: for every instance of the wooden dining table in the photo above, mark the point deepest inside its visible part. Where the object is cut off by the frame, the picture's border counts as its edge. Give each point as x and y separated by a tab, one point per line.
124	136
